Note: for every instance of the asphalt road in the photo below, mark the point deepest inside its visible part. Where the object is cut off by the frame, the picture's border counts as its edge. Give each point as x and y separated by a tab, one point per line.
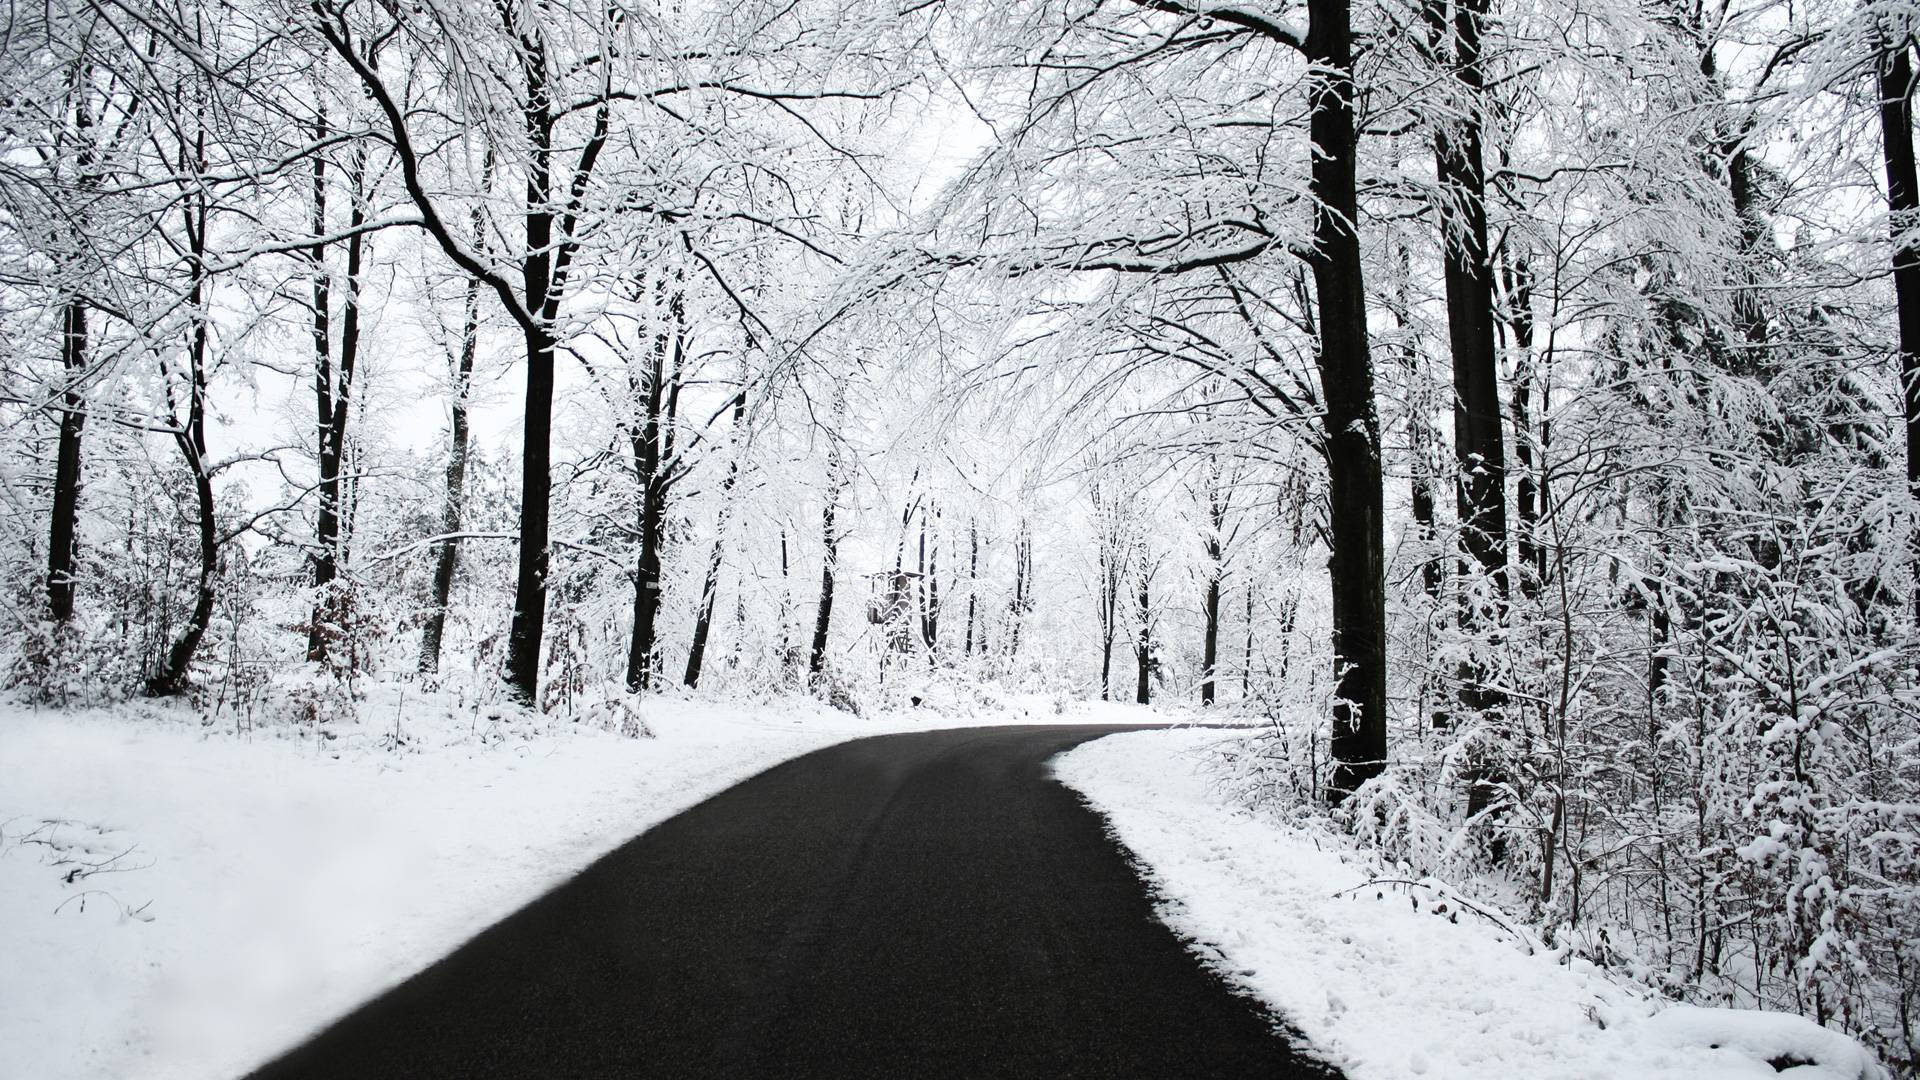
906	906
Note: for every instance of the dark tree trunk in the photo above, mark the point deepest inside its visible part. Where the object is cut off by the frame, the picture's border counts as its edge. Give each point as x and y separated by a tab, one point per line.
710	588
1246	661
1110	538
1022	589
1420	434
1289	615
529	624
62	543
1356	564
973	577
1109	615
333	385
786	602
1216	552
64	515
830	540
1895	70
930	584
1211	646
1143	648
325	519
1749	311
530	579
649	462
191	438
453	513
1478	438
1527	501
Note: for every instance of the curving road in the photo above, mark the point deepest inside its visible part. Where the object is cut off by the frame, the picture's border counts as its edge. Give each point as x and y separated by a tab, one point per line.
901	907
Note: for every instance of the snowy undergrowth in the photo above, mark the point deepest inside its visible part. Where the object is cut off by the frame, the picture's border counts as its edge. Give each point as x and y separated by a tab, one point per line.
182	899
1391	978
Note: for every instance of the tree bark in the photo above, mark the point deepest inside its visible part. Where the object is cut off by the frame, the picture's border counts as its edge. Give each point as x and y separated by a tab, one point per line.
1211	646
652	444
453	513
1478	438
1356	564
191	438
1109	617
332	386
973	577
1022	588
1143	649
1527	495
530	578
930	584
830	540
62	543
710	588
1246	660
1420	434
1895	70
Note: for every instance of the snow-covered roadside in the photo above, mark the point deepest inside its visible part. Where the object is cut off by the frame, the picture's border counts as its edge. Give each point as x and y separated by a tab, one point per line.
230	893
1392	982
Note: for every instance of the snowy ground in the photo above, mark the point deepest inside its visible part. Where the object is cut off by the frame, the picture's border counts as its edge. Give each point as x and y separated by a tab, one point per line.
184	901
1401	981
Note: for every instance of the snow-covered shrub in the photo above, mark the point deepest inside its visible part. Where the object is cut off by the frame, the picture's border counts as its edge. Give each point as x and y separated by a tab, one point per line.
312	696
610	707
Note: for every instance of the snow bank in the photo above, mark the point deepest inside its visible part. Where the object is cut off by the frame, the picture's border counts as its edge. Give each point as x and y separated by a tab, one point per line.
1392	979
1779	1043
180	902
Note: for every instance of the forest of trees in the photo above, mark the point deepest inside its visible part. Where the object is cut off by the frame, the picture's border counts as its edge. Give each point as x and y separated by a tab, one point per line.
551	352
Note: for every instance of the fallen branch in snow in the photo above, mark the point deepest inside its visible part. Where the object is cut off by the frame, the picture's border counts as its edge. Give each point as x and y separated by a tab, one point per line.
1452	897
84	869
139	913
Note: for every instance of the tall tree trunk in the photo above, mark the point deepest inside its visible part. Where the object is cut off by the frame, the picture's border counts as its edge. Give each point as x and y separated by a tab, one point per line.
1420	434
710	588
1895	69
1109	618
530	578
62	542
64	515
1022	588
333	387
1143	649
930	584
325	519
973	577
1211	646
1527	500
652	444
453	512
1246	660
1478	437
1216	547
1479	441
830	541
1356	564
191	438
529	625
920	598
